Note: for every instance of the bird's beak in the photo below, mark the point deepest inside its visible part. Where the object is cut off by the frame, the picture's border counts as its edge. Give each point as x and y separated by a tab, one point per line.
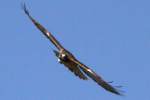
56	53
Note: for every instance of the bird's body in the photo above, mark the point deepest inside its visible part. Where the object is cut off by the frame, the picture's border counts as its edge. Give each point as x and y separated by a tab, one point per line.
68	59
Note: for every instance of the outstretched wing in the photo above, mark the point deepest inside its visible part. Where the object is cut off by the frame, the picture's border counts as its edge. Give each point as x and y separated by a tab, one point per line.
43	30
96	78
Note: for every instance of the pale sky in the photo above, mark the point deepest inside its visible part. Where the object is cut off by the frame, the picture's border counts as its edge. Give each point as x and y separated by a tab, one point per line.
110	36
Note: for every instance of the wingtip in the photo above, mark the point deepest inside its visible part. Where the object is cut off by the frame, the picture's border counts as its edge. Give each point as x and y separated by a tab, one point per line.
121	93
118	91
23	5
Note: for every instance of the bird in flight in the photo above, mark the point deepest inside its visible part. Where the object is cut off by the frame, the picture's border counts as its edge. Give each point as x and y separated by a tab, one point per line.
69	60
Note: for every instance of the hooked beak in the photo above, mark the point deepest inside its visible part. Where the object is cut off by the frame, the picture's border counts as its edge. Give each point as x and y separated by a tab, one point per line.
56	53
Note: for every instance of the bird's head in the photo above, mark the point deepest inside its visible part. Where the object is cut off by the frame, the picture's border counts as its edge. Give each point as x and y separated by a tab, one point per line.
61	56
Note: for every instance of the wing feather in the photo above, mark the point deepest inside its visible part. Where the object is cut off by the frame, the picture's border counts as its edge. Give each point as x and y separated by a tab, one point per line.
97	78
43	30
73	67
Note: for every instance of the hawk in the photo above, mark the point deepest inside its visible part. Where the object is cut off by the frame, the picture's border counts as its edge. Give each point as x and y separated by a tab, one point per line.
69	60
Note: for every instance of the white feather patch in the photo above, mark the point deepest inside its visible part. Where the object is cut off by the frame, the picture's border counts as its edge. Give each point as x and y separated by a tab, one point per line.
89	70
47	33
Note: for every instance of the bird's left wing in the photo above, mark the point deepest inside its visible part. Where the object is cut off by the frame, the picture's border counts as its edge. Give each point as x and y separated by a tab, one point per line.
96	78
42	29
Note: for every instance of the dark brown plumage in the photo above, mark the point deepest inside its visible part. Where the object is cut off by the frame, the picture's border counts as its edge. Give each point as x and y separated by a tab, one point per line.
66	58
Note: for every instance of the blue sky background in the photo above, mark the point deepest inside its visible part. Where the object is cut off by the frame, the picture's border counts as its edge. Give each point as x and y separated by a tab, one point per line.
110	36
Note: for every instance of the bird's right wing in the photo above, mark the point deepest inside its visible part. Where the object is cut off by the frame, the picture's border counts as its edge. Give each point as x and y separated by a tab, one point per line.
96	78
43	30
